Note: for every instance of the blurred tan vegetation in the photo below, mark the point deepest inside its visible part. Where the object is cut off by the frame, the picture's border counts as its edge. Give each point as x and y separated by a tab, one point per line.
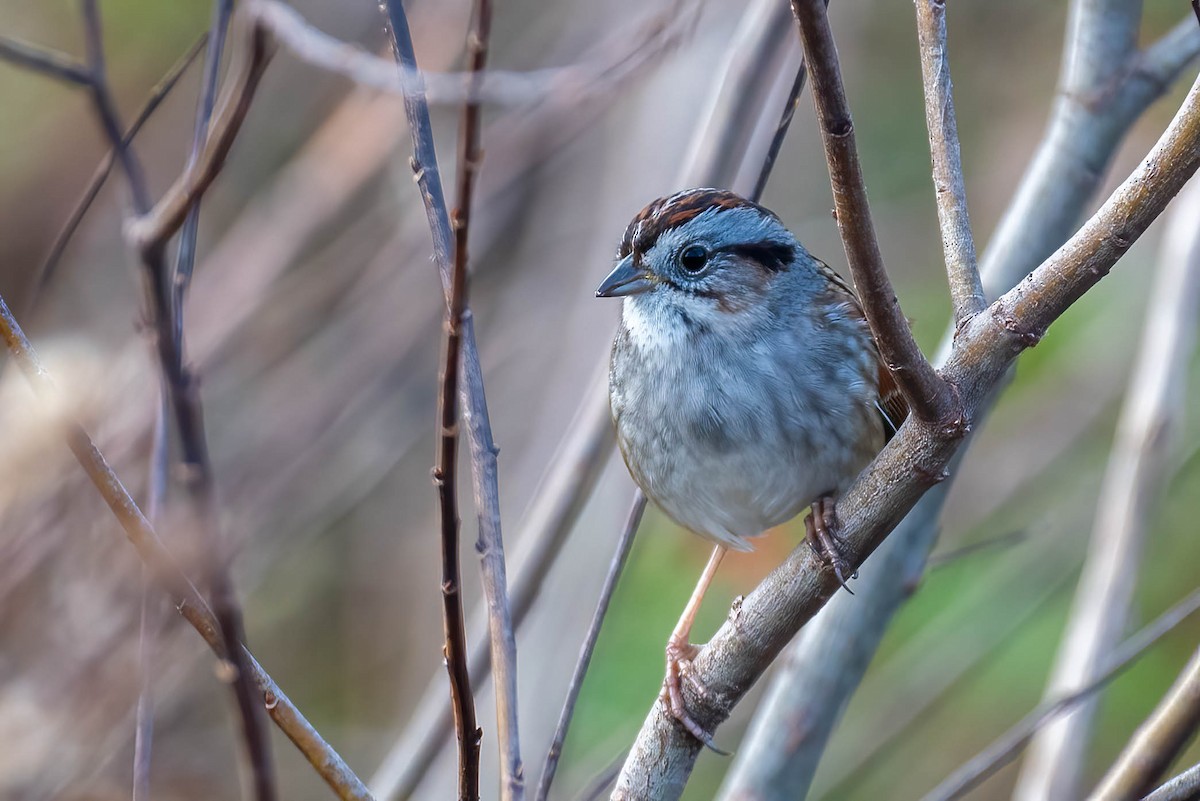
314	323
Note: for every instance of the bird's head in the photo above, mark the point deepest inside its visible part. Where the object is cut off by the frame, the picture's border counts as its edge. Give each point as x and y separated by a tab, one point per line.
707	254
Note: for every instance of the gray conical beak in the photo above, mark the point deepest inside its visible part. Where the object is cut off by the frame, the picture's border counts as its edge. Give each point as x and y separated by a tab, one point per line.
625	279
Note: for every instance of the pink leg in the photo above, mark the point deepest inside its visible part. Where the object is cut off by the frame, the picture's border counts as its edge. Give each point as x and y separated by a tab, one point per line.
680	653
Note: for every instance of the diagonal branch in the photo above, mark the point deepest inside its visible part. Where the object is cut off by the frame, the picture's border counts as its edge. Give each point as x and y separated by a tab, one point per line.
1135	474
930	399
168	575
1006	747
1157	742
761	36
46	270
757	629
966	289
615	568
1062	177
1185	786
154	225
1152	411
47	62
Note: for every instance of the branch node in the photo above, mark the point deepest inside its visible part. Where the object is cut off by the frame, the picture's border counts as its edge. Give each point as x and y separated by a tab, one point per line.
930	476
841	127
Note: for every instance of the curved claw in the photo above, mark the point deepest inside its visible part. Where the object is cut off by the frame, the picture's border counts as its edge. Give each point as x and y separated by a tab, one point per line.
819	527
679	662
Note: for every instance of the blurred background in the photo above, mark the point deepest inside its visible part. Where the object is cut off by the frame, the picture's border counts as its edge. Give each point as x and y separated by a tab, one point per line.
314	322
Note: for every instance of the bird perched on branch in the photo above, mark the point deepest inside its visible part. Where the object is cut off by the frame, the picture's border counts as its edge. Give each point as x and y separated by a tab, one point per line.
744	382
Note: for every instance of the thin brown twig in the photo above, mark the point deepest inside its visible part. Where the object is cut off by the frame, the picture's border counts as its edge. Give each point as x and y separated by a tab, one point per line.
785	122
962	267
182	393
47	62
767	619
156	224
569	479
929	397
615	568
445	472
46	270
1006	747
484	470
167	574
490	543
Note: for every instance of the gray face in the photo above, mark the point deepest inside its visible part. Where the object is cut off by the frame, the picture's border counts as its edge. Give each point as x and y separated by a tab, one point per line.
721	258
703	255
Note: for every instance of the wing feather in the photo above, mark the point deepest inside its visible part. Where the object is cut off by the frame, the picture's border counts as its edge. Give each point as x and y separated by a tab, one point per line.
890	403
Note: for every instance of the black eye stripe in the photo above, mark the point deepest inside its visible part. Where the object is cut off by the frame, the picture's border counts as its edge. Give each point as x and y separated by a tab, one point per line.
773	256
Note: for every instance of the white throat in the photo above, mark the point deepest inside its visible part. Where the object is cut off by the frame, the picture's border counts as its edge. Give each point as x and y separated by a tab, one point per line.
650	326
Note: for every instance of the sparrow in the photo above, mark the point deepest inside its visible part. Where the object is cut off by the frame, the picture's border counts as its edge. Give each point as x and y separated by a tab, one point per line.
744	384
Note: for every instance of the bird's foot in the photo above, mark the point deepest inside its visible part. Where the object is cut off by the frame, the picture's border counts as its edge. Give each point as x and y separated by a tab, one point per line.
821	526
680	654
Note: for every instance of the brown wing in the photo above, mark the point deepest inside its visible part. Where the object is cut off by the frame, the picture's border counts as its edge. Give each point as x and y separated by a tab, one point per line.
891	404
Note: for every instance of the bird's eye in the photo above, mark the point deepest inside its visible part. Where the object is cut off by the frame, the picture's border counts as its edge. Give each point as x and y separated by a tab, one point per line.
693	258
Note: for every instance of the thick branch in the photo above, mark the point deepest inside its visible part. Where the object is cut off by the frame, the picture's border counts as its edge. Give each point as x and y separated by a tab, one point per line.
1021	316
759	627
167	574
966	289
1153	406
1045	213
1185	786
930	399
1102	92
